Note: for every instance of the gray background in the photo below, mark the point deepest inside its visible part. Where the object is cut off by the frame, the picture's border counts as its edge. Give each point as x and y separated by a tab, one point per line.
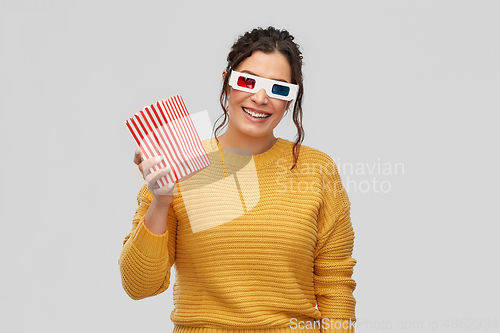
388	83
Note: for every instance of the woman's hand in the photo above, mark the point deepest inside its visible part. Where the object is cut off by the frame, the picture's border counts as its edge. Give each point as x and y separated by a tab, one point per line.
163	196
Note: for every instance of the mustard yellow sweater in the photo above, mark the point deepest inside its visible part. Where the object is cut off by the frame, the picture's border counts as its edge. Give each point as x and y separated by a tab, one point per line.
255	246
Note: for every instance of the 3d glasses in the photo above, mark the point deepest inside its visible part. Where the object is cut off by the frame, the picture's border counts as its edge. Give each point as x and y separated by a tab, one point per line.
252	84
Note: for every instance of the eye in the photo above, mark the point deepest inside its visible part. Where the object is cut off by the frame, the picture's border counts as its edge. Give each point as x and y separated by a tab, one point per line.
278	89
246	82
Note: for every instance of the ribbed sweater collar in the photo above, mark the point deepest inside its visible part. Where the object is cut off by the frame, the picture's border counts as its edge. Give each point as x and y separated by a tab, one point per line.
279	150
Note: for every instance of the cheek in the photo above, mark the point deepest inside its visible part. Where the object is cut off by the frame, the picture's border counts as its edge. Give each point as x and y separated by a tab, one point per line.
279	105
237	96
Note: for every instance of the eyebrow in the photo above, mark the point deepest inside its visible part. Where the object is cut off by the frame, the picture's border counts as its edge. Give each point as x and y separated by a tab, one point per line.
252	73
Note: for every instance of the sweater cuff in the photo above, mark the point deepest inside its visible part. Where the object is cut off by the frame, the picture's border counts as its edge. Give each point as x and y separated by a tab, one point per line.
150	244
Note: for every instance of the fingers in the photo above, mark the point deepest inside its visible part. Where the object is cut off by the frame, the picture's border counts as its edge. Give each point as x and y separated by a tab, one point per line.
152	182
137	157
152	178
146	165
151	162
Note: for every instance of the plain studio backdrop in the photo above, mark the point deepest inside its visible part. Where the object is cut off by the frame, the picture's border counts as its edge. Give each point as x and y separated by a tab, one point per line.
401	94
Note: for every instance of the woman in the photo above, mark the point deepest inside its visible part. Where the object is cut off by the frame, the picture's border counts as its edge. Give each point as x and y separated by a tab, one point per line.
259	239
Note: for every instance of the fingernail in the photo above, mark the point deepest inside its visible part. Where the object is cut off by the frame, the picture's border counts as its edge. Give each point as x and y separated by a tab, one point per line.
167	169
170	185
159	158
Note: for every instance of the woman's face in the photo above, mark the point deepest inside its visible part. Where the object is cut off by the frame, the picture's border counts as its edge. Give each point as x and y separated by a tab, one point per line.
271	66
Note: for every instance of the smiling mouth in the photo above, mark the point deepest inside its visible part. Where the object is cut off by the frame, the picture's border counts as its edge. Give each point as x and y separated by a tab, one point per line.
256	115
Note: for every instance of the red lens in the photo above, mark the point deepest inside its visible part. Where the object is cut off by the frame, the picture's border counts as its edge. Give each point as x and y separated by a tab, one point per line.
246	82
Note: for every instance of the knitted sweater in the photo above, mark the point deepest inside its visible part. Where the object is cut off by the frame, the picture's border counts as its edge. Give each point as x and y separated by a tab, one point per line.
255	246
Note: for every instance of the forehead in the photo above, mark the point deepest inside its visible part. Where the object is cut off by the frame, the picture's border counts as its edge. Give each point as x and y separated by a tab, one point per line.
273	66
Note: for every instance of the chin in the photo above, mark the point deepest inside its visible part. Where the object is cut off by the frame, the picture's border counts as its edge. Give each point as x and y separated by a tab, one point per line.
254	130
256	133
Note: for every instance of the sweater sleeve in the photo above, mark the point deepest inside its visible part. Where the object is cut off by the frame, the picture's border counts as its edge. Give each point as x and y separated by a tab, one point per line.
146	258
333	262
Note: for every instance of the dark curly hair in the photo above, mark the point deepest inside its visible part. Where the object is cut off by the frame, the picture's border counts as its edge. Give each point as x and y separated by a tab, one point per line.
268	41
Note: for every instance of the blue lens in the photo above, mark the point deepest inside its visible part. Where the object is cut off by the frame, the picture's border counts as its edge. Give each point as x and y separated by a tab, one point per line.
278	89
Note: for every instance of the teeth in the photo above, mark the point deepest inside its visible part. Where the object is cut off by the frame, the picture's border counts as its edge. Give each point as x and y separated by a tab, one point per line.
256	115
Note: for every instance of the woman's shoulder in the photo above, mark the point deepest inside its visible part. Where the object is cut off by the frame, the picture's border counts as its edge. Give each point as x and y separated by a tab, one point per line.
310	154
311	159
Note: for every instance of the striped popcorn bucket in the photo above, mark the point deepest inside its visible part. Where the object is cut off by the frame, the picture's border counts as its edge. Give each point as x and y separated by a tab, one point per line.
165	128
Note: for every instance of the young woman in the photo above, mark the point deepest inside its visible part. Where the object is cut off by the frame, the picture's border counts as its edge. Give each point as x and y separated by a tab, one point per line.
262	240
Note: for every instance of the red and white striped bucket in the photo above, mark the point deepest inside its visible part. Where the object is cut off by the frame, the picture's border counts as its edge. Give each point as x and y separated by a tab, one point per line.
165	128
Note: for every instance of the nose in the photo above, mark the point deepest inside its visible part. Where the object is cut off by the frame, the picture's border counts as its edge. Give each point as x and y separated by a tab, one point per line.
260	97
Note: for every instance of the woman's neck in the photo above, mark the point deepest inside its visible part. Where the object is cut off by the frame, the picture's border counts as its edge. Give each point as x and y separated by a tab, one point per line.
256	145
